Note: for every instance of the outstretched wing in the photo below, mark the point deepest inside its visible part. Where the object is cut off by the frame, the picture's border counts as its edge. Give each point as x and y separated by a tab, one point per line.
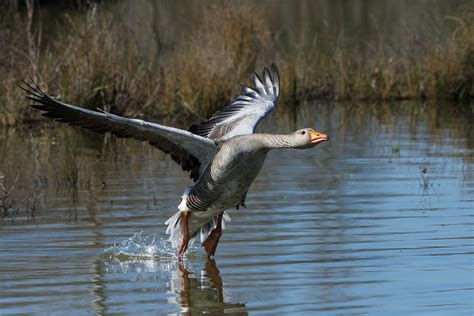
192	152
242	116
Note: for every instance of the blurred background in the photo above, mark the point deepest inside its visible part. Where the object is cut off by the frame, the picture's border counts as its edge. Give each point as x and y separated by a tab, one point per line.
376	221
181	60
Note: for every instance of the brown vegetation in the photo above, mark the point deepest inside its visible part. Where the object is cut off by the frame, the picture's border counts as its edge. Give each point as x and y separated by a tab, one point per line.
13	202
95	61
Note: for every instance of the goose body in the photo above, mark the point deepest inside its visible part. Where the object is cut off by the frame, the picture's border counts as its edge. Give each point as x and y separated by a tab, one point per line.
223	185
223	154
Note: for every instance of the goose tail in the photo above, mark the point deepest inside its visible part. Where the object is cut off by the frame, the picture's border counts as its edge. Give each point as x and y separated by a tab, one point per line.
175	225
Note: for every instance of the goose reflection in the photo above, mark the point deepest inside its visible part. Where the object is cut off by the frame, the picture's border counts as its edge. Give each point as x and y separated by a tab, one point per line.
202	293
196	292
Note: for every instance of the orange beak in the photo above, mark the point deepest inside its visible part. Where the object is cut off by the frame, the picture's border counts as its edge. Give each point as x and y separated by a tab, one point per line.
317	137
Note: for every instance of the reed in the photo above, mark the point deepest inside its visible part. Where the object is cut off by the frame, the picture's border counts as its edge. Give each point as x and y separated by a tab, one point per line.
205	69
95	61
436	70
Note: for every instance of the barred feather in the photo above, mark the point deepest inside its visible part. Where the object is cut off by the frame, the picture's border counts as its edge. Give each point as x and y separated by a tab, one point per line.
242	116
192	152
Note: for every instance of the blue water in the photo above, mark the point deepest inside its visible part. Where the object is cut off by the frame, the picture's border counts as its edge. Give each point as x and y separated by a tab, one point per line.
377	221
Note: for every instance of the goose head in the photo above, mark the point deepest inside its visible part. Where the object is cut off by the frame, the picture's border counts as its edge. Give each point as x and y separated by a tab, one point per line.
307	138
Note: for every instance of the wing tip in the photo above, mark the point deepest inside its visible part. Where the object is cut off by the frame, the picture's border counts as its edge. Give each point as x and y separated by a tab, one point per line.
31	89
271	85
271	80
275	75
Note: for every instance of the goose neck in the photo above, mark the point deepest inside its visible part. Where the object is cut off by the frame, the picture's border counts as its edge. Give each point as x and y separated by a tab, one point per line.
277	141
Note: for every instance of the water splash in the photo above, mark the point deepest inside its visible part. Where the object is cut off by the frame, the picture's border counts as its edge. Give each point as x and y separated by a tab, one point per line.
141	246
143	254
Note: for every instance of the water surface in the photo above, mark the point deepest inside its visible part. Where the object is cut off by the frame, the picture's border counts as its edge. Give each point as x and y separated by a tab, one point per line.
378	220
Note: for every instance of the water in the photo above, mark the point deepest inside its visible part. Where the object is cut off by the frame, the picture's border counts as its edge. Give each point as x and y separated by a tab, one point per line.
299	28
299	24
378	220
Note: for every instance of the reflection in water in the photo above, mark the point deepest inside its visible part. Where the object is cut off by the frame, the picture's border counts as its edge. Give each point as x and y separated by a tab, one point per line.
98	290
146	257
204	293
379	219
299	23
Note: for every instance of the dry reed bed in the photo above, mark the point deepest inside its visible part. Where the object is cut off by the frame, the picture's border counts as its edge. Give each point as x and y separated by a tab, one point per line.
96	62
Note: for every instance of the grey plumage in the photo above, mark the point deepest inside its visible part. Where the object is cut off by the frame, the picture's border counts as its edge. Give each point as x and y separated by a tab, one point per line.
192	152
222	154
231	172
242	116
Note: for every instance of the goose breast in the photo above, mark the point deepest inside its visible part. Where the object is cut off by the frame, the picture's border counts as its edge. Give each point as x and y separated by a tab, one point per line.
228	177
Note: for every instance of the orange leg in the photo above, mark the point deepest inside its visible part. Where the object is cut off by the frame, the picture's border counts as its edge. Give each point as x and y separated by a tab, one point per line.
185	286
185	240
210	244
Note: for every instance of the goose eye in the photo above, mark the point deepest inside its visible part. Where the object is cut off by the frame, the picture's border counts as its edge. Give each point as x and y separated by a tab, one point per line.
303	132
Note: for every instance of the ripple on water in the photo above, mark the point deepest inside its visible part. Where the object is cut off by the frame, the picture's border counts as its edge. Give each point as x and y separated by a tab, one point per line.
348	229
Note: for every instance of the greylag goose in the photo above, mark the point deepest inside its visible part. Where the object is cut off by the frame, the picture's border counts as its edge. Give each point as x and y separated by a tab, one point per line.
223	154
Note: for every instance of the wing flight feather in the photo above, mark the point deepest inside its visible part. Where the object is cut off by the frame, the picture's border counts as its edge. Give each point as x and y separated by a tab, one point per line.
192	152
242	116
